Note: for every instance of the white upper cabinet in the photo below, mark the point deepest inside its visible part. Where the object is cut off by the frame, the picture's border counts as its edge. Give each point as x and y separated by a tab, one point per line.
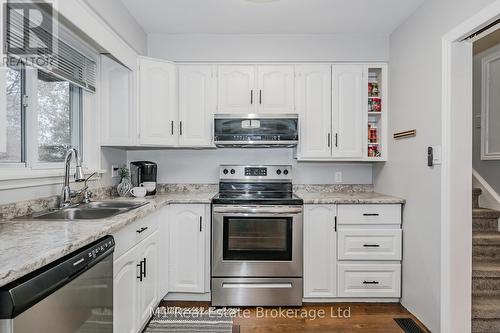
348	109
320	251
157	102
188	248
236	91
247	89
197	103
275	86
118	126
313	101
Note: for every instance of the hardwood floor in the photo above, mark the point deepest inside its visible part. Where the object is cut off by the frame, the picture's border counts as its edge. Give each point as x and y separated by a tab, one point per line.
363	318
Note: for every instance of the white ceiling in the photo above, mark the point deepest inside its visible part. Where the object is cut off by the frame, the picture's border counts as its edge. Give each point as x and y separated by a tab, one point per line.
276	17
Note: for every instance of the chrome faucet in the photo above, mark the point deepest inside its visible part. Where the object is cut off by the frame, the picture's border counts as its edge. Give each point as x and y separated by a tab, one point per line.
66	193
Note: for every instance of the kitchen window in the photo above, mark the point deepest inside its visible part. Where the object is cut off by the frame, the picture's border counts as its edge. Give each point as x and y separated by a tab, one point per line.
44	118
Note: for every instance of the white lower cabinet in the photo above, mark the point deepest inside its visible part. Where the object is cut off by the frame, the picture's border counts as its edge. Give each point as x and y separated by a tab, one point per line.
352	251
125	293
148	287
320	248
135	287
189	269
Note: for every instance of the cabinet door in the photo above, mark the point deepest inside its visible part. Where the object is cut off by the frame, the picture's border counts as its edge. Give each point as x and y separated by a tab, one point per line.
348	106
320	256
117	104
157	103
196	104
148	288
125	293
275	89
236	89
187	248
313	98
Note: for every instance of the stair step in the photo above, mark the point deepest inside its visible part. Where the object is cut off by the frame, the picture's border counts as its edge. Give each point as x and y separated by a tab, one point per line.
485	269
485	213
484	307
486	247
485	279
486	238
484	225
485	325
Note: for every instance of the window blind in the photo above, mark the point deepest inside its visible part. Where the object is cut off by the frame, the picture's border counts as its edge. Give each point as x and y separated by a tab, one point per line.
34	43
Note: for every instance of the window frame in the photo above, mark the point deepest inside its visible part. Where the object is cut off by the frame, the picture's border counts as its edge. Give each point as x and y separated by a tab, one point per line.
29	124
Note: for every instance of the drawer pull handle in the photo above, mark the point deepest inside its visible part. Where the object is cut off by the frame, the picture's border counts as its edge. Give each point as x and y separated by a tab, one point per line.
371	245
371	214
141	230
370	282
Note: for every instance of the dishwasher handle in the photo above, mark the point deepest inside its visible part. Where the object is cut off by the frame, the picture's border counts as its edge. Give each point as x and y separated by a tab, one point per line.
23	293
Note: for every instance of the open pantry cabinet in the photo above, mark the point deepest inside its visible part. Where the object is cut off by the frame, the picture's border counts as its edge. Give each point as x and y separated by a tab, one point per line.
376	115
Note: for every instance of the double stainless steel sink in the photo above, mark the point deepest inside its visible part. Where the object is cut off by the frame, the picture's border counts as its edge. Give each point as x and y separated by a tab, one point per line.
90	211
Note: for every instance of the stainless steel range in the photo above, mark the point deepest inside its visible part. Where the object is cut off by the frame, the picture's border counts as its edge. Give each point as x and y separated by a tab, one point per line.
256	238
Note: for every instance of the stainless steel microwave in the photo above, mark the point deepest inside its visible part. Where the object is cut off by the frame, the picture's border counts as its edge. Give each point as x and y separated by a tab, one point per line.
256	130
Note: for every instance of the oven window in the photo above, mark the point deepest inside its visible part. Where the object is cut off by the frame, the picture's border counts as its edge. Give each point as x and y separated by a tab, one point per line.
257	238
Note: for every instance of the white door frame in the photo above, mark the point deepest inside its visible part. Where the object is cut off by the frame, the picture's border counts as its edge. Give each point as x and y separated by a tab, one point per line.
456	177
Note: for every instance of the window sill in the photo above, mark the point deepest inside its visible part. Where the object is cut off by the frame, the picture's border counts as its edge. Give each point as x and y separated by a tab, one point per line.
12	178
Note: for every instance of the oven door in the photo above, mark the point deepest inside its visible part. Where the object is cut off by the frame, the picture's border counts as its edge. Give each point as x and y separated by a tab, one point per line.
257	241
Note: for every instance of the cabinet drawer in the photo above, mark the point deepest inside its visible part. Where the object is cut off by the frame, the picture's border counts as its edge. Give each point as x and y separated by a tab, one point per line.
369	214
369	244
134	233
377	280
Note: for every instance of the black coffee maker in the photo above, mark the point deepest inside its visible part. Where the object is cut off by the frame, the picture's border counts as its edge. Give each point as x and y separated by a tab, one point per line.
143	173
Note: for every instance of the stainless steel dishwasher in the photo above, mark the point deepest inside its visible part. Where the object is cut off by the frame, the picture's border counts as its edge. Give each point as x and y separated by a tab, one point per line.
73	294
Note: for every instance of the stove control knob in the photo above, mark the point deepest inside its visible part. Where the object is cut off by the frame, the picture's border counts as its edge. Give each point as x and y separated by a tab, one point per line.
233	171
225	171
278	172
285	172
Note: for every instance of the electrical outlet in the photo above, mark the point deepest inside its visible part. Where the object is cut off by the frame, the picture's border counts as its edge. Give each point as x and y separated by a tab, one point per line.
338	176
114	170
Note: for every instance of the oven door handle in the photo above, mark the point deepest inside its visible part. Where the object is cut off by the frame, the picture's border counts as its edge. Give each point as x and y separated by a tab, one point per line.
258	210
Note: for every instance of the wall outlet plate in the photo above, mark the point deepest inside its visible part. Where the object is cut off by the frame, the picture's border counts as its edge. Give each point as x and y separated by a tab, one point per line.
114	171
338	176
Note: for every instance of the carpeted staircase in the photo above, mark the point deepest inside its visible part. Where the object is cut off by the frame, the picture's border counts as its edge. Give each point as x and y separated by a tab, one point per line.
485	268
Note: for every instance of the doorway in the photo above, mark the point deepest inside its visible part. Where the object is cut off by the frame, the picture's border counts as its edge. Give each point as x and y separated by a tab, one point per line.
456	180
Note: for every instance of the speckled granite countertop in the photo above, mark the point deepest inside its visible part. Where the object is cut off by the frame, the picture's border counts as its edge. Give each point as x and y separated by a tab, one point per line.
28	245
322	197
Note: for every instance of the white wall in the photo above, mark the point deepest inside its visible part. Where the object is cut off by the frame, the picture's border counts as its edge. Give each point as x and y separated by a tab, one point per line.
488	169
231	47
202	166
116	15
415	102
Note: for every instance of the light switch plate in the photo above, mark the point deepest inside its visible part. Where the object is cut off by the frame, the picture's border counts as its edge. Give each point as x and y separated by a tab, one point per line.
436	160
